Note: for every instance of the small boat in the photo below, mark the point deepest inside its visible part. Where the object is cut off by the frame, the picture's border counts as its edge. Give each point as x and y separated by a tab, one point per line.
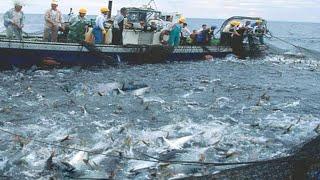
140	46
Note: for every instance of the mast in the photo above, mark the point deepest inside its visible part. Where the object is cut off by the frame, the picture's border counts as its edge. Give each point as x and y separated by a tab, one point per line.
110	9
154	3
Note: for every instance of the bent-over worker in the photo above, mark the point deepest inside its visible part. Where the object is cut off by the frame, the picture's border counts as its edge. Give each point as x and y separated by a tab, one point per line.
78	26
227	31
99	31
237	42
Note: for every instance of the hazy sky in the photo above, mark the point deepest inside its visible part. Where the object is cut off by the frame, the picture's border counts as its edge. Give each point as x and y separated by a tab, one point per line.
282	10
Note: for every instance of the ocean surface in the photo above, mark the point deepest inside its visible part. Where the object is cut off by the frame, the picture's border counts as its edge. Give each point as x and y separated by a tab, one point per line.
225	110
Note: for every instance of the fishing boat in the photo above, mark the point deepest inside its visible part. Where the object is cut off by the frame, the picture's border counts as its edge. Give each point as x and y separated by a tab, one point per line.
141	45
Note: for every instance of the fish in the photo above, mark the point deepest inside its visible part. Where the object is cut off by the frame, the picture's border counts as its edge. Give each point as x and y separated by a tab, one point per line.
22	142
120	91
122	88
67	138
111	165
80	159
202	157
141	91
177	143
152	99
105	89
317	129
58	166
265	97
84	110
304	163
289	129
231	152
49	162
140	166
294	55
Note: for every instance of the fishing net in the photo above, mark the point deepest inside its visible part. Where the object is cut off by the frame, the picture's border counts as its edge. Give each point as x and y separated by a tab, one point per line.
305	51
303	164
98	53
154	53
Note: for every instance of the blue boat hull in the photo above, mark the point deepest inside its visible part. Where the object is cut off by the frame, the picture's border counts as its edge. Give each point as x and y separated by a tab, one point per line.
25	54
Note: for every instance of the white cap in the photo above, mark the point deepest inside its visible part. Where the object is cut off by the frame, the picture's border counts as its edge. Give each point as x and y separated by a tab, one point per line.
54	2
18	3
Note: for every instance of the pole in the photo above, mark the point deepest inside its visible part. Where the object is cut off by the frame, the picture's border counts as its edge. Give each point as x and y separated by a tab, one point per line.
110	8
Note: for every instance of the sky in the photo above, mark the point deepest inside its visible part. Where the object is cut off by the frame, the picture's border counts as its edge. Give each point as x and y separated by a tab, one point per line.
272	10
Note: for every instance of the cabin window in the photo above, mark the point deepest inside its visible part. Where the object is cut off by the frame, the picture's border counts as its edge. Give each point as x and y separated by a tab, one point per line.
135	17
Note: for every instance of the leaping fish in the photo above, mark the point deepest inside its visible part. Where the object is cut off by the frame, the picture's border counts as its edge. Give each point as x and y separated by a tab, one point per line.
177	143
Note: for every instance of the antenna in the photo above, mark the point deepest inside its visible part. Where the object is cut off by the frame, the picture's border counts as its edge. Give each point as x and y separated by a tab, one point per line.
70	14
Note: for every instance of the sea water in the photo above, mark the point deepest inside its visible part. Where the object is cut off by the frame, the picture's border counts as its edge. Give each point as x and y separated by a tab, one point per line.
225	110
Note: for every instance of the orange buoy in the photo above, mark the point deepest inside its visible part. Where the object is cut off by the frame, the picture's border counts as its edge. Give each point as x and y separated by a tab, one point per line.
208	57
50	62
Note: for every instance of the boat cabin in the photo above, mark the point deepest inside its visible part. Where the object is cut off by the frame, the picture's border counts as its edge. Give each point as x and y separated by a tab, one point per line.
171	17
143	26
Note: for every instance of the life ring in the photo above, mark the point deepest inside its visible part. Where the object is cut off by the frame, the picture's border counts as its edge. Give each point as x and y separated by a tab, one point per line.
164	37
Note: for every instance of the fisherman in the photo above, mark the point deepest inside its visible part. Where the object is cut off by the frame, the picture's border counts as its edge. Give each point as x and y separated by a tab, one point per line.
143	25
227	31
211	36
99	31
203	28
237	42
53	22
169	23
175	31
248	25
203	35
153	26
78	27
193	37
231	26
185	34
259	30
118	26
13	21
211	32
249	34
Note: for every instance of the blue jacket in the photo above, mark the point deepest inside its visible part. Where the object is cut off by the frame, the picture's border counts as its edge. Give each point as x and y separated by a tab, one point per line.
7	17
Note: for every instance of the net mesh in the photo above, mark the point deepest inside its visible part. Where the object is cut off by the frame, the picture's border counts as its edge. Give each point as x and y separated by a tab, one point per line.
303	164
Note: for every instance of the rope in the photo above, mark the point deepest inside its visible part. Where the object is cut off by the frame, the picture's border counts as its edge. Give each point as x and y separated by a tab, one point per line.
155	159
313	52
304	38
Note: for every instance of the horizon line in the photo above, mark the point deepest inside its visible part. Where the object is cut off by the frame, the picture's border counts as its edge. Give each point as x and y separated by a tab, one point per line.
219	18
